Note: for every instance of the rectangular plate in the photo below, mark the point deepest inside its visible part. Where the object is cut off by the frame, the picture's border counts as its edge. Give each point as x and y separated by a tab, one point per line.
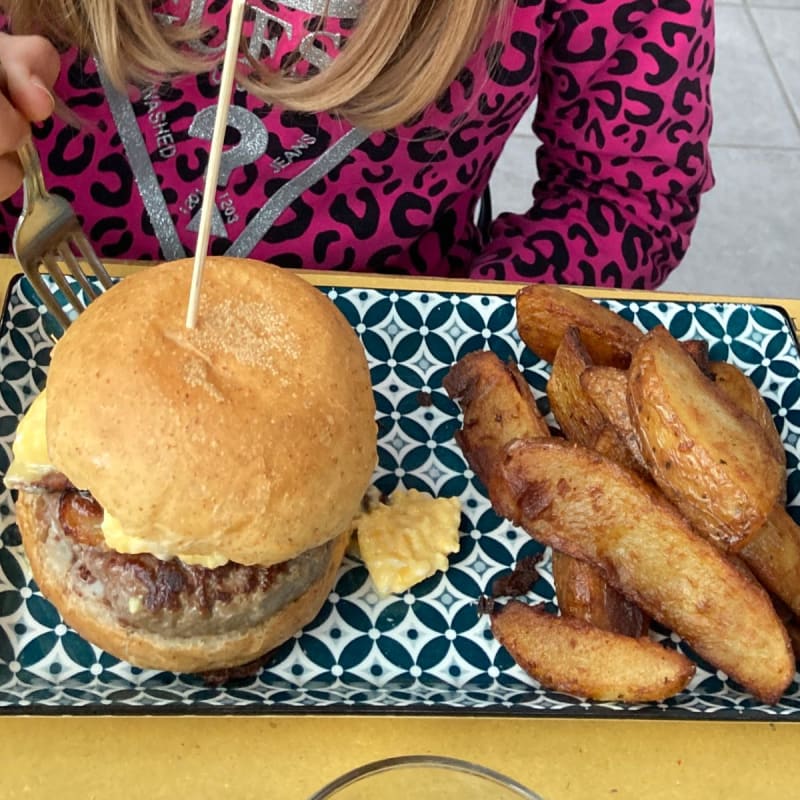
428	650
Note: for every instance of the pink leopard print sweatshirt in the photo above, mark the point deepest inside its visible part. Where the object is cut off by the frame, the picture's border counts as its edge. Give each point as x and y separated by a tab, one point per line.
623	114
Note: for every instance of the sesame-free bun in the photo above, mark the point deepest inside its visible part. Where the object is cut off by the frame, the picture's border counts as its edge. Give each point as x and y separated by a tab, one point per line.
250	436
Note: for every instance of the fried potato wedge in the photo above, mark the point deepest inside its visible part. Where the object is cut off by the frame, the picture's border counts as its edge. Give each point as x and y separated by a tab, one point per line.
609	443
607	388
545	311
744	394
793	627
583	593
569	655
576	501
709	458
698	350
581	589
773	555
577	416
498	406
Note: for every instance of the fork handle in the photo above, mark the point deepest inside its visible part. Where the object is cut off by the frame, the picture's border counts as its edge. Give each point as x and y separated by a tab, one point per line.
32	169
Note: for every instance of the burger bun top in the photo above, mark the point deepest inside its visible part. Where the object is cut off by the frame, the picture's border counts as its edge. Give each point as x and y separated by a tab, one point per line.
251	435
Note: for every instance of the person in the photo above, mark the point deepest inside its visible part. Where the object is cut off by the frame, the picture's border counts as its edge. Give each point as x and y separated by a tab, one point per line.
362	134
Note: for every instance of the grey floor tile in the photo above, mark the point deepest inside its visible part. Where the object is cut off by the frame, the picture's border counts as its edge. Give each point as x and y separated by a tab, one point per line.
749	105
747	240
781	31
514	175
525	125
774	3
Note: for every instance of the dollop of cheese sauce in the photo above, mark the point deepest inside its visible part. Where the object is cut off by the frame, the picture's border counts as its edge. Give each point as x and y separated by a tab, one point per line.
407	539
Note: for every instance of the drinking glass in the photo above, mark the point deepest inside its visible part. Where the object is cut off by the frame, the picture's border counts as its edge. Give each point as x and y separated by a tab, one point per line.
418	777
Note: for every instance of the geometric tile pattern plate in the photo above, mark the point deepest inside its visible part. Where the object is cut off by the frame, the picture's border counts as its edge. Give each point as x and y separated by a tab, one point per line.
427	650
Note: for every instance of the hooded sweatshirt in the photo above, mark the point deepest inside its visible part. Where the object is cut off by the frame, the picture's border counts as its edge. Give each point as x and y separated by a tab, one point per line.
622	119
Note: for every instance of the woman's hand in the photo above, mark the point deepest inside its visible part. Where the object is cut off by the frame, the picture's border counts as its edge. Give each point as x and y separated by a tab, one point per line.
29	66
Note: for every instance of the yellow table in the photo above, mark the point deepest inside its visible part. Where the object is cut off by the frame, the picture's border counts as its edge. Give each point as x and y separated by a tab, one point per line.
287	757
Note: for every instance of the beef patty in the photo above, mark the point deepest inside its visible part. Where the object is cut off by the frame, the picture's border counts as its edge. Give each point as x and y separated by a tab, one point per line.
167	597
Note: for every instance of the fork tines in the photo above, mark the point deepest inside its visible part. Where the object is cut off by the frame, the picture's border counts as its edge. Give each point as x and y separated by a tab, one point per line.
66	251
48	240
63	261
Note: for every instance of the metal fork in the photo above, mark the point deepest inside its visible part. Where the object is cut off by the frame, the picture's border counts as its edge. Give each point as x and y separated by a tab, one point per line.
48	234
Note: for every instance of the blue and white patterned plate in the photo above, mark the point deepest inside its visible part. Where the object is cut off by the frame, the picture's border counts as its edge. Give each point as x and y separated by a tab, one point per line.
427	650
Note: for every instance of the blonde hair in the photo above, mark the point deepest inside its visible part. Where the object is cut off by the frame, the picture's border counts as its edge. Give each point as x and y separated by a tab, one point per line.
399	58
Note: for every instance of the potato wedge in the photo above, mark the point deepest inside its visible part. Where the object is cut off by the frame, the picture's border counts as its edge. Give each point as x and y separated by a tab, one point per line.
498	406
742	392
709	458
581	589
576	501
583	593
578	418
610	444
793	627
569	655
545	311
698	350
773	555
607	388
791	623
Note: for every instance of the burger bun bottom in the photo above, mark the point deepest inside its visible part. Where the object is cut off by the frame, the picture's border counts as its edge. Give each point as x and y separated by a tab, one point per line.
93	620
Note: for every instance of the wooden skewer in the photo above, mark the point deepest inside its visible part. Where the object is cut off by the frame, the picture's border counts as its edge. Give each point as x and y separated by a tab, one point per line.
215	156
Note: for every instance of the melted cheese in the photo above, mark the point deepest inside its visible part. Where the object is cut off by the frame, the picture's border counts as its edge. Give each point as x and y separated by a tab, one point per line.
408	539
30	460
118	540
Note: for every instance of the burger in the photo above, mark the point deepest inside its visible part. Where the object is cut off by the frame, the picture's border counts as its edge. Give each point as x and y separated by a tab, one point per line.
185	495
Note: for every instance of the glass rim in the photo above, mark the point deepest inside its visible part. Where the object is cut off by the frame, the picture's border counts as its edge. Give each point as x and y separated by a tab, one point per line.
385	764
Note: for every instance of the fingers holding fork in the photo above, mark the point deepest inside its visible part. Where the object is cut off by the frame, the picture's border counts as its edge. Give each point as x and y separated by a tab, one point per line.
29	66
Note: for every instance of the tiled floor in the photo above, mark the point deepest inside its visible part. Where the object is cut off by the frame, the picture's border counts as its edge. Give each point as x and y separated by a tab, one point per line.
747	240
